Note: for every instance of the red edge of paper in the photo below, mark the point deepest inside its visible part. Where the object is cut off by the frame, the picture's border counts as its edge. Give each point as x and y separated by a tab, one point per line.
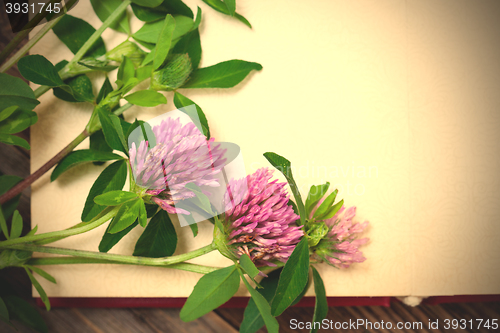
173	302
241	302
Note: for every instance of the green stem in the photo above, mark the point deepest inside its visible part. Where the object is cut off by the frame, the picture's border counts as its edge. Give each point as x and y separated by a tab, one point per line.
23	33
76	260
88	44
117	258
95	36
100	219
31	42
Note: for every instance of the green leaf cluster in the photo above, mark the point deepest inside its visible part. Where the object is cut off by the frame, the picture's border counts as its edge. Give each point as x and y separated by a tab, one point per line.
227	7
16	102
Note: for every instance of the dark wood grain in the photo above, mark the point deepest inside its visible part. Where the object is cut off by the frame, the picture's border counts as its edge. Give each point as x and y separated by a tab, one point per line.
14	160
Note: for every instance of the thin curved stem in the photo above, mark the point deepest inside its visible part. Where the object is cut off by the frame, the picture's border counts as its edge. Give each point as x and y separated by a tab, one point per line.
77	260
118	258
100	219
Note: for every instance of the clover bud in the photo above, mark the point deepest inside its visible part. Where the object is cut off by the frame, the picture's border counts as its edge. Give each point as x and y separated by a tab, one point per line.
127	49
10	258
316	232
173	75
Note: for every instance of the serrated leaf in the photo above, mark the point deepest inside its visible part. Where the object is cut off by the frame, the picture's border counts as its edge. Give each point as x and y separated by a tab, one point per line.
114	198
326	204
14	140
104	9
22	311
75	90
211	291
39	288
226	74
112	178
182	103
164	42
126	216
14	91
158	239
285	167
39	70
78	157
321	303
109	240
17	225
74	32
148	98
316	192
249	267
293	278
42	273
263	307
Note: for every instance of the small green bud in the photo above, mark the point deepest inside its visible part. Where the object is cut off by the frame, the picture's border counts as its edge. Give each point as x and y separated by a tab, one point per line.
127	49
173	75
10	258
316	232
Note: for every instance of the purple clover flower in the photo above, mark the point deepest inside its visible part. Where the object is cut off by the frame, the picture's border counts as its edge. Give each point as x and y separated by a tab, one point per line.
258	220
340	246
182	155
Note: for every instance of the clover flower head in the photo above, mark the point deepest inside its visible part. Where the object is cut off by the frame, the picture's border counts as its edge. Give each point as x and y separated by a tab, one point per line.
340	247
181	155
258	219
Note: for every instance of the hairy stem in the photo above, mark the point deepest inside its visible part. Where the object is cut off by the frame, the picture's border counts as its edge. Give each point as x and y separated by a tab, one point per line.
100	219
117	258
78	260
95	36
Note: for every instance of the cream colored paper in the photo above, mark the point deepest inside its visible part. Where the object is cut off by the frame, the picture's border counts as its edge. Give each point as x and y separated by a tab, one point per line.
395	102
